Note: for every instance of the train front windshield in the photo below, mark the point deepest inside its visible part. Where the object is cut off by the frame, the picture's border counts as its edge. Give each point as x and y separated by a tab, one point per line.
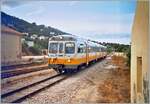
58	48
53	47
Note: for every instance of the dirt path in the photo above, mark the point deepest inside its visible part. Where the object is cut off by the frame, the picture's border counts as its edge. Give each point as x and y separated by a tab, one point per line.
116	88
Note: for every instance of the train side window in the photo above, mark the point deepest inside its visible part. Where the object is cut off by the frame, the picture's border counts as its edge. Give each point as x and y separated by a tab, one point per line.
69	48
80	50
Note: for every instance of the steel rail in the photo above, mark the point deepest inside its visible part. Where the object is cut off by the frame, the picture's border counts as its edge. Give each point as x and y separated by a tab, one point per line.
37	91
27	86
20	72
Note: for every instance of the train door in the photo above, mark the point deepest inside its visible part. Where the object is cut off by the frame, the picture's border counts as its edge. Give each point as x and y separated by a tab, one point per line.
87	54
61	49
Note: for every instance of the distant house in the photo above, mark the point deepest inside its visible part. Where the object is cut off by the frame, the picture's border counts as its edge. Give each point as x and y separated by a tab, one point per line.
42	37
44	51
34	36
25	34
41	29
52	33
11	47
23	40
30	43
46	37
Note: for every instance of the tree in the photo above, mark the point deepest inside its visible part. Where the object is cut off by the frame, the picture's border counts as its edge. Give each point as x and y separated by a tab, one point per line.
128	54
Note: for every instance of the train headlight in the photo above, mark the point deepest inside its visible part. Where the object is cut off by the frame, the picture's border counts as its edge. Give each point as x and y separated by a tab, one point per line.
68	60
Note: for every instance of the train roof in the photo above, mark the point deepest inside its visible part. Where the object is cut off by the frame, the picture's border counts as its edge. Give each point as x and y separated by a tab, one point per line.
64	37
95	44
79	40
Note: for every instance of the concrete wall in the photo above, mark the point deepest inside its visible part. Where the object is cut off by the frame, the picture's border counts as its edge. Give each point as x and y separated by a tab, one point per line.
139	53
10	48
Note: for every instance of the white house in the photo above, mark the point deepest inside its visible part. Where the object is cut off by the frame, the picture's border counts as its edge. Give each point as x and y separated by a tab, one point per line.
26	34
34	36
30	43
52	33
23	40
42	37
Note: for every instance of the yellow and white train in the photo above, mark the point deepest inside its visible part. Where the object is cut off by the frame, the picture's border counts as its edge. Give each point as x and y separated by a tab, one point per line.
68	53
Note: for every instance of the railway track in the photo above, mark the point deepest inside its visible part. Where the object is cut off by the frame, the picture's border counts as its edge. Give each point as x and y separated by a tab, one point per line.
20	94
12	73
10	67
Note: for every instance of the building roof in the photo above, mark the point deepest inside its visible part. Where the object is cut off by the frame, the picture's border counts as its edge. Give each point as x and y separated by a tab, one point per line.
5	29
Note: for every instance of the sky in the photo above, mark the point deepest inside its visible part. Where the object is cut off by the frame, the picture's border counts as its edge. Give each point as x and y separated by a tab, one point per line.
104	21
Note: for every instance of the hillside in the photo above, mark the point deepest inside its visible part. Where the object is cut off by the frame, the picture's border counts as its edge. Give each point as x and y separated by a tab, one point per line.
42	30
32	29
26	27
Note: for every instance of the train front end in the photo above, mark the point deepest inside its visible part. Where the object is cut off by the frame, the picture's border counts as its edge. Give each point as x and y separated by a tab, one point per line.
61	51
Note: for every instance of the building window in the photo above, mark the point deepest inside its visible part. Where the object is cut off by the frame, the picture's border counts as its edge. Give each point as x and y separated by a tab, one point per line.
139	74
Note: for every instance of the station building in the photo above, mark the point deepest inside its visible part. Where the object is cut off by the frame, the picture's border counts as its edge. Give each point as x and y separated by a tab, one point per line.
11	48
140	53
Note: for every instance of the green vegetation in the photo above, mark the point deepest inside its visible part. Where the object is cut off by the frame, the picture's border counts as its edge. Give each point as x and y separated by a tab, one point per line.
109	49
114	47
39	45
26	27
128	54
35	50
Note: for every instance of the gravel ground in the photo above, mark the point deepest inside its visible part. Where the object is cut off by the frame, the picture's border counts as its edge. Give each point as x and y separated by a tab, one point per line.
98	83
79	88
116	88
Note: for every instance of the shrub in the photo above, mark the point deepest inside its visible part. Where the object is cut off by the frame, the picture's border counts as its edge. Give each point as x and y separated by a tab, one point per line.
128	54
35	50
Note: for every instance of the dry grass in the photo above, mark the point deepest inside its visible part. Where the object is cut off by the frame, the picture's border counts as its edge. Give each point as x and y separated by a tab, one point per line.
116	89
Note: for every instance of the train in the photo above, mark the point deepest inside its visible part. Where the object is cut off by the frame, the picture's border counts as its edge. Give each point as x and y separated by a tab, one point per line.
68	53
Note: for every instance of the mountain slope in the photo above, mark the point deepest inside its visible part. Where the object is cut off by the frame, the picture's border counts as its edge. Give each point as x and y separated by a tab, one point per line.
31	28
